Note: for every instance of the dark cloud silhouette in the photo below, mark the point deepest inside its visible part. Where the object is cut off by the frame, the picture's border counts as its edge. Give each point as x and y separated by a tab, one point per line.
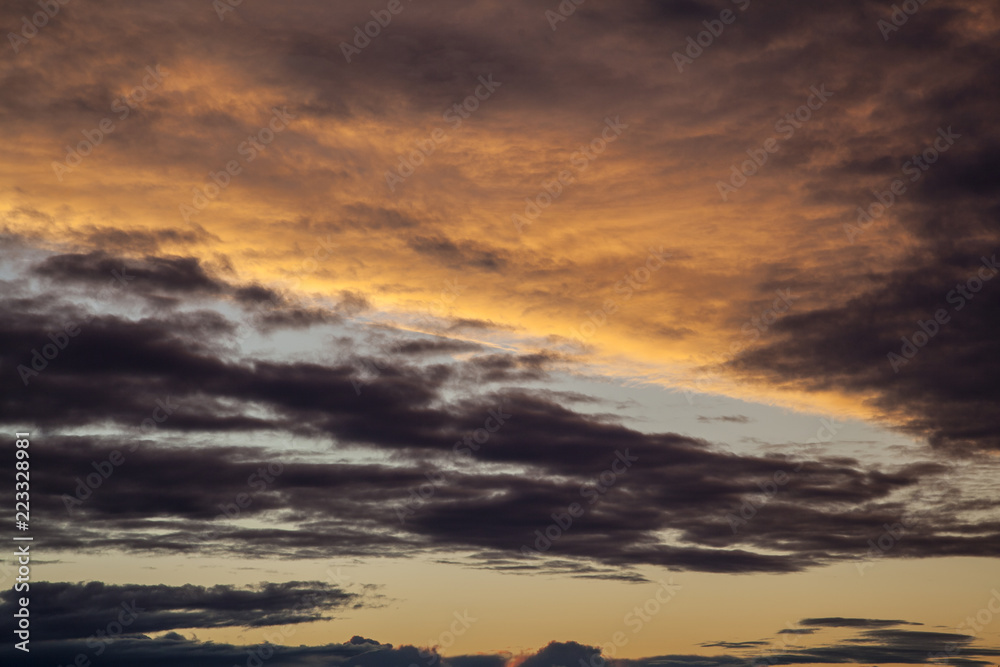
73	611
409	410
851	622
943	390
907	648
124	370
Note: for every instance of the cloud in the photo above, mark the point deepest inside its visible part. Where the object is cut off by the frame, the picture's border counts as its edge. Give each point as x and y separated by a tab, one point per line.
851	622
63	611
733	419
491	498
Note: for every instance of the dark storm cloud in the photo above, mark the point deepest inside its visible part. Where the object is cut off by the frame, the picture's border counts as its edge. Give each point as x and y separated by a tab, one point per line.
121	371
75	611
935	71
173	649
352	509
945	222
557	653
947	390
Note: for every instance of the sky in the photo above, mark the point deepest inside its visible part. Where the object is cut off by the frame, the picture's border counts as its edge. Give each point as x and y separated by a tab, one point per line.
502	333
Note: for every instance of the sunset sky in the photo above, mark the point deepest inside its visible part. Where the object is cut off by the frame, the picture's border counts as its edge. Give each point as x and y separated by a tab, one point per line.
503	333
